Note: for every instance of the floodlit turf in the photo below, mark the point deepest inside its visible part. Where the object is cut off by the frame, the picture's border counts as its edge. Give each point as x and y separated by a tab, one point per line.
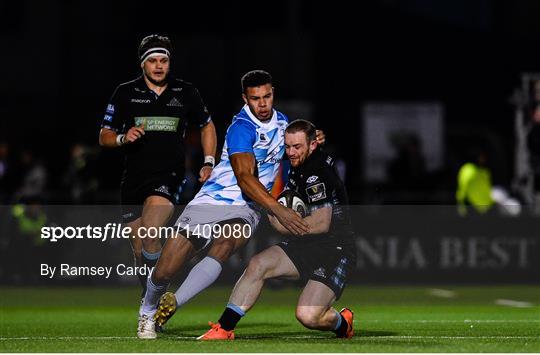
388	319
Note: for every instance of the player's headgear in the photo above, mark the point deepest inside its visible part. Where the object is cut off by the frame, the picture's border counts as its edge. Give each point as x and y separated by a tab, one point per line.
154	45
302	126
255	78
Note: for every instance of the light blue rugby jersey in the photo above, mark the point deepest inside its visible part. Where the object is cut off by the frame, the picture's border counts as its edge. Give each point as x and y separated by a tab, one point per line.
246	134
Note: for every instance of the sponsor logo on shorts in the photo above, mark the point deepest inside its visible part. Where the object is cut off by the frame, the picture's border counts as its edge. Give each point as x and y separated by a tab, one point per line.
110	109
320	272
108	118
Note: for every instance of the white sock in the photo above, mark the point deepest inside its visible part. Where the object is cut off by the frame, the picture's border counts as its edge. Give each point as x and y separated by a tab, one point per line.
151	297
200	277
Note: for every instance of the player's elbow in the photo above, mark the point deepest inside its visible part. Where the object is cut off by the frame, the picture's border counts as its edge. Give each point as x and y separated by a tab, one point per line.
107	138
101	138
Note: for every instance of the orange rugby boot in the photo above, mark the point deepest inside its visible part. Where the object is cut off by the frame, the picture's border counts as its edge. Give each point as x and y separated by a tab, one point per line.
349	318
217	333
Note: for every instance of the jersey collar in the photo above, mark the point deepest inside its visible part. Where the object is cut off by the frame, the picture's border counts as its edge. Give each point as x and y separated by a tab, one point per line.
256	120
141	84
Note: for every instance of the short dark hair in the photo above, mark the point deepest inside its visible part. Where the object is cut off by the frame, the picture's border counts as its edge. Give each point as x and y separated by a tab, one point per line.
153	41
302	126
255	78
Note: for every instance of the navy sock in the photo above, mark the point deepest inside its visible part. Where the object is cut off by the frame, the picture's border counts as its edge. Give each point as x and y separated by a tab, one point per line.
231	316
341	329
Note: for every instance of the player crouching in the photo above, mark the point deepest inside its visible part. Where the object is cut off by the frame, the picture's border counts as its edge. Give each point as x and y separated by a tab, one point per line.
321	258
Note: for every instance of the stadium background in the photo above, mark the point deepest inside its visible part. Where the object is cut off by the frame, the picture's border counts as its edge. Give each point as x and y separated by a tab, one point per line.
332	63
406	91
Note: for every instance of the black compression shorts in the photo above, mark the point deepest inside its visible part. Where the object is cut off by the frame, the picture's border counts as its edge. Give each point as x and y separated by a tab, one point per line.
135	191
328	262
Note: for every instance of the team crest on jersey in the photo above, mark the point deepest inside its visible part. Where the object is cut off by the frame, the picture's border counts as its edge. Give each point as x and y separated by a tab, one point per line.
316	192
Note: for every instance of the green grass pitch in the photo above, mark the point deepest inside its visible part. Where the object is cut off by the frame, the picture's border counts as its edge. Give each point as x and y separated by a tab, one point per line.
387	319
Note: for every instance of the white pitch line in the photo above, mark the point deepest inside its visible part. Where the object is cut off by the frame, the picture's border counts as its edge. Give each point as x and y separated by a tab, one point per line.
513	303
451	321
438	292
247	337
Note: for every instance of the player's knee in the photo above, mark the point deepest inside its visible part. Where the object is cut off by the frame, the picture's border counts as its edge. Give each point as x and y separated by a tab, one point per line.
162	275
151	244
137	252
309	317
222	249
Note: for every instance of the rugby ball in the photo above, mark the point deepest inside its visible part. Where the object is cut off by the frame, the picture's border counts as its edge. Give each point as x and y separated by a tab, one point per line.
293	200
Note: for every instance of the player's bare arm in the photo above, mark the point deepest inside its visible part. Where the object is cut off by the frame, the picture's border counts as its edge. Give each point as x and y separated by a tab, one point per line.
209	144
318	221
243	165
110	139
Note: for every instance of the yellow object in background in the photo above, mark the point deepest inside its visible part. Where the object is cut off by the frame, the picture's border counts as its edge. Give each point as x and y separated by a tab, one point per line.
474	188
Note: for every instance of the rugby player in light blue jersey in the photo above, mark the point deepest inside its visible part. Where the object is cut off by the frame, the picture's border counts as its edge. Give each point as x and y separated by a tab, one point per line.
226	211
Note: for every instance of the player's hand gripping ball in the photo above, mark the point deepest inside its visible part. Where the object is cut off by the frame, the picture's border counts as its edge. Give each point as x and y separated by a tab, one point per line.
293	200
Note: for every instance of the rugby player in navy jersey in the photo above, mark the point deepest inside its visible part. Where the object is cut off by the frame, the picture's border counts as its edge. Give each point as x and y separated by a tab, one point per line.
320	258
147	118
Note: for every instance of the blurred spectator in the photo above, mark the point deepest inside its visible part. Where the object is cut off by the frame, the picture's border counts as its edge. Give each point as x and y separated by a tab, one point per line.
25	247
5	172
474	184
34	176
81	177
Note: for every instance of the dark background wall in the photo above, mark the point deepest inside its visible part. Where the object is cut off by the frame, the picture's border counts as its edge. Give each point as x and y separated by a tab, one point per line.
62	60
